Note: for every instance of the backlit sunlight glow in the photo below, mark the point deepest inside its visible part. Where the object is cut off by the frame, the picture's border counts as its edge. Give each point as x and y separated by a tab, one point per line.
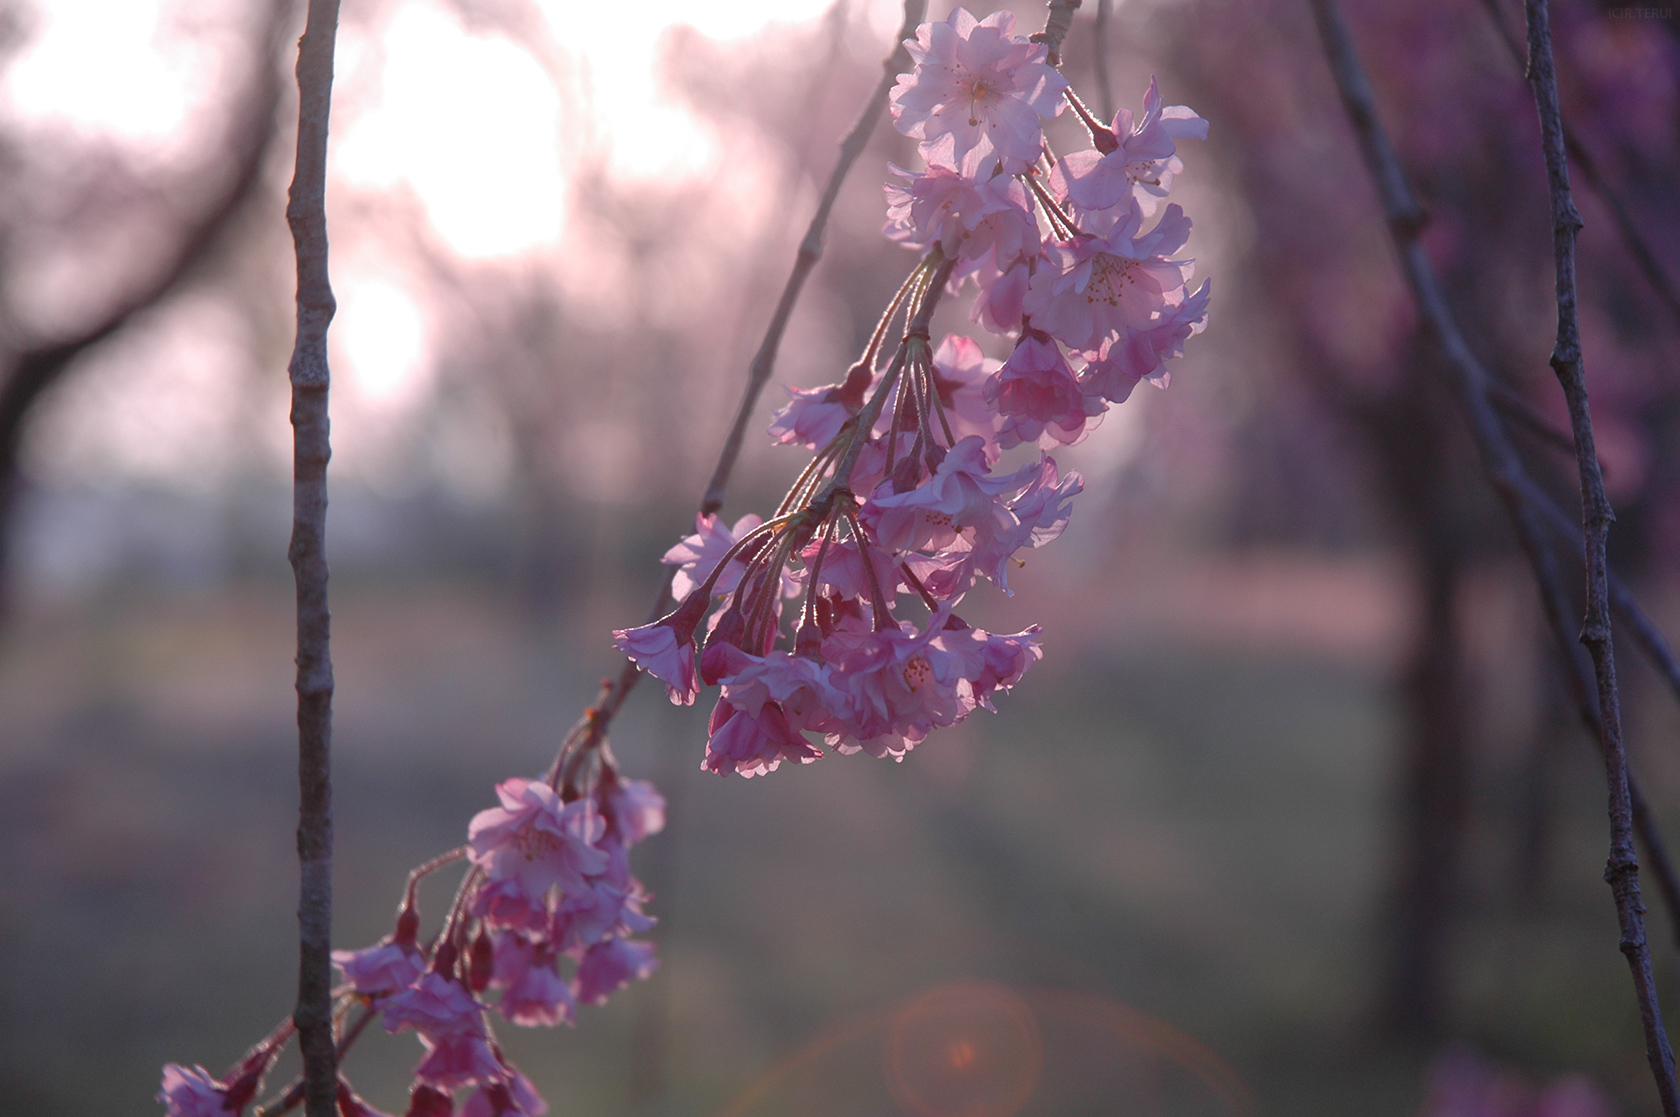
471	124
109	67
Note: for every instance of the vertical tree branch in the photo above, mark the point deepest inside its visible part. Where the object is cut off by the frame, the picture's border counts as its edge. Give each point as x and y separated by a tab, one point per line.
1509	480
1622	870
810	251
311	448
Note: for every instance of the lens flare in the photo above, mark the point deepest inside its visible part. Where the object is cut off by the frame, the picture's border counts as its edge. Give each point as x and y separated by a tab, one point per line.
964	1051
976	1049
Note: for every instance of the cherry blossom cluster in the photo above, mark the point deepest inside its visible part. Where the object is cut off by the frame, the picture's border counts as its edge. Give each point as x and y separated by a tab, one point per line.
541	923
807	620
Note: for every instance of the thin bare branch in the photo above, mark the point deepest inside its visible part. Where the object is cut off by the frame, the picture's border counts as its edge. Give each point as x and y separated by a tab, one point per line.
306	213
1634	240
1506	474
810	251
1622	871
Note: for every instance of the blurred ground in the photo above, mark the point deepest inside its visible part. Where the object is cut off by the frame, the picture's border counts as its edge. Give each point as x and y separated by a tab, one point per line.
1182	809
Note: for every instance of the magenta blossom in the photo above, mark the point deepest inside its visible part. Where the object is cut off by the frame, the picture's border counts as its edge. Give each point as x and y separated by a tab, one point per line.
535	840
978	83
961	494
795	687
1002	295
811	419
1037	516
960	370
608	967
898	685
459	1060
995	663
515	1097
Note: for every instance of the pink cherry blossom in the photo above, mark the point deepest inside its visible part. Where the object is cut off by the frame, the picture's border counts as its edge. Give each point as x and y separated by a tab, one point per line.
610	905
966	218
1040	398
1091	288
608	967
698	554
844	572
537	841
898	685
1037	516
1142	166
753	744
192	1092
994	663
812	419
977	82
961	494
796	687
1142	354
634	810
383	968
1002	296
435	1006
660	650
960	370
533	992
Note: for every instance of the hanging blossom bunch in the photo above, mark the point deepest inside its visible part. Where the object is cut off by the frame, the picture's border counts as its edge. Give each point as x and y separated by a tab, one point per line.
800	619
542	922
